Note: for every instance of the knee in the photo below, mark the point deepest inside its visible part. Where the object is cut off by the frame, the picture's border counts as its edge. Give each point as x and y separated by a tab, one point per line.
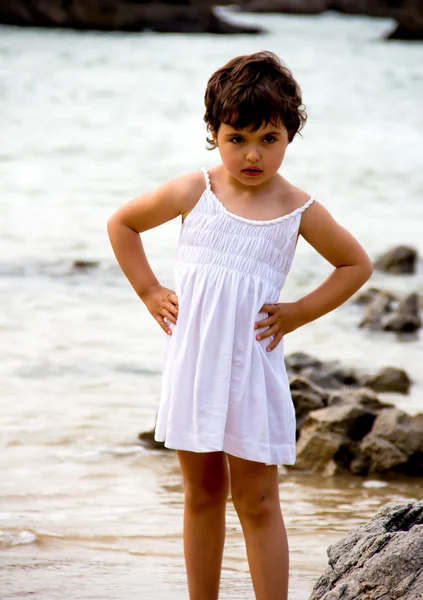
206	495
257	505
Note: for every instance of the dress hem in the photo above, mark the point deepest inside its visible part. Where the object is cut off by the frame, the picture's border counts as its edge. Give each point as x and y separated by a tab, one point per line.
276	455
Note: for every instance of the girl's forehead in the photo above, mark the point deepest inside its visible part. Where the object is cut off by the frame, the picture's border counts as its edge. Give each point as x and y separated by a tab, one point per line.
252	130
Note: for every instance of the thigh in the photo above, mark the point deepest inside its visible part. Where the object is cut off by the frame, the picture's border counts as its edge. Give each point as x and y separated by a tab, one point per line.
206	471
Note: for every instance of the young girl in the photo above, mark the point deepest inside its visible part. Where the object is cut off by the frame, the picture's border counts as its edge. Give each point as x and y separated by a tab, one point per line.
226	406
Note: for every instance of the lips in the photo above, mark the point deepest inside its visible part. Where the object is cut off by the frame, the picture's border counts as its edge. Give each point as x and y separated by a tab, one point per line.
252	171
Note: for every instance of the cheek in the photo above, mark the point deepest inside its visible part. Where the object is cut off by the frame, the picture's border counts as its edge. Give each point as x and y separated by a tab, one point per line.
277	156
230	154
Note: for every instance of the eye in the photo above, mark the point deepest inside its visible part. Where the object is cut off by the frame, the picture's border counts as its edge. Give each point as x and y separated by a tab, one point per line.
237	139
269	139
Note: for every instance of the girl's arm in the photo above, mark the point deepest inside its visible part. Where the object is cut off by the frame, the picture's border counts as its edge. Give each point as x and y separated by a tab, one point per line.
173	198
353	268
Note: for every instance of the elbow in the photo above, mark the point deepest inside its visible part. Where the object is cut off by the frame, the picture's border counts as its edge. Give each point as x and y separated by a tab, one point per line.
367	270
111	223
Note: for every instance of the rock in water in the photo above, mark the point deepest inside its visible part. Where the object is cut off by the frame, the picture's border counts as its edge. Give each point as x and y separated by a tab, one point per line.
380	304
299	7
405	318
381	560
394	444
384	311
410	21
401	259
388	379
84	265
119	15
146	438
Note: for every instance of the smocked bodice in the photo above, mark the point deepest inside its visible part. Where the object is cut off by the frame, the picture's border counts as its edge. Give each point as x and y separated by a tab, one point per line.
213	236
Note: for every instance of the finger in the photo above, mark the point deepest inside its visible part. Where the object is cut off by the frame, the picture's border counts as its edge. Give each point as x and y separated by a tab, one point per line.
169	316
268	333
269	308
163	325
171	308
265	323
275	342
173	298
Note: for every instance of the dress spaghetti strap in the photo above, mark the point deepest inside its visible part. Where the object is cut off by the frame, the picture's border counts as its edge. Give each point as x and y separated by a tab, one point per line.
207	178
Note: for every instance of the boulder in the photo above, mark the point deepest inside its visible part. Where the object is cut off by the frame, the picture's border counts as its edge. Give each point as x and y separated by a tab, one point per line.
298	7
306	397
409	21
379	305
319	376
326	375
326	430
297	361
386	312
331	376
388	379
351	430
407	13
119	15
380	455
365	397
146	439
398	260
379	560
394	443
366	297
405	318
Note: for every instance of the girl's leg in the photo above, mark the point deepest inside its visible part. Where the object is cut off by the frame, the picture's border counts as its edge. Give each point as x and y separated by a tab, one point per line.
206	483
255	494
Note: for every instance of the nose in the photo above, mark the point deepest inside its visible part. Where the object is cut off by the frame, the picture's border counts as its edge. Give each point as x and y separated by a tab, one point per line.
252	154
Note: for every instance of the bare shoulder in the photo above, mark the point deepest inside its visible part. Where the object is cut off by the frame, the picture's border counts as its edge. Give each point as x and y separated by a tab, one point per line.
185	189
169	200
293	197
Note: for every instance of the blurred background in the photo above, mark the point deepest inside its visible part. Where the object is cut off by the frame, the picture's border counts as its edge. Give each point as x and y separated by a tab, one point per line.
97	106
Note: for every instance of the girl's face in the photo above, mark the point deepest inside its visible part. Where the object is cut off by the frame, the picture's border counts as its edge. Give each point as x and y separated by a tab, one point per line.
252	157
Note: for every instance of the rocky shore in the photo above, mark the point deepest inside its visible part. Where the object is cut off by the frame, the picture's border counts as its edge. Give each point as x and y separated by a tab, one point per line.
344	427
407	13
196	16
164	16
379	560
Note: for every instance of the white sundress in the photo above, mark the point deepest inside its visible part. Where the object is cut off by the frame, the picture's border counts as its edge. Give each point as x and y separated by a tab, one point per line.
221	390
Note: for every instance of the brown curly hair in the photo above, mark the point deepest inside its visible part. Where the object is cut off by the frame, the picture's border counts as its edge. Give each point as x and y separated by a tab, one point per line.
251	90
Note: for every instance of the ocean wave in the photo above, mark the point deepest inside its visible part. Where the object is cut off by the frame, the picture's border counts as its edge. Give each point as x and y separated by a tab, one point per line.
17	538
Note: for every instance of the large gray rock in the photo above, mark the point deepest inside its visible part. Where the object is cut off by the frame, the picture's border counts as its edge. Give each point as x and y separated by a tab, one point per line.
381	560
119	15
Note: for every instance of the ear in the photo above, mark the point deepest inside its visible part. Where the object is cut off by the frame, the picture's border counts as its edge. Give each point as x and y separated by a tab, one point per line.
214	135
